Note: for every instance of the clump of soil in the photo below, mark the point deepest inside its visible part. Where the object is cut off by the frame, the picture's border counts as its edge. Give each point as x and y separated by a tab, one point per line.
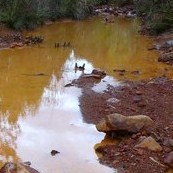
152	98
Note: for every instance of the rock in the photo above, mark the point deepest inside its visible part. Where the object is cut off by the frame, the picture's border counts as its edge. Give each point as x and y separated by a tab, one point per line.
152	48
99	72
150	144
96	73
54	152
118	123
138	92
169	159
28	163
11	167
168	142
119	70
69	85
136	72
166	57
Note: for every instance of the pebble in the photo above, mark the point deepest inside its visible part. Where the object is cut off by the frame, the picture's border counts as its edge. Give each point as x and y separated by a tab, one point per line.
169	159
54	152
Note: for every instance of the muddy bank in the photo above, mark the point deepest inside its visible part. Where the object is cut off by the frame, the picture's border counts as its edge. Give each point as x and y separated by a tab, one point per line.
10	38
152	98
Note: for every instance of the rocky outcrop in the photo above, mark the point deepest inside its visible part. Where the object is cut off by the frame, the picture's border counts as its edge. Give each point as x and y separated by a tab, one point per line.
118	123
11	167
150	144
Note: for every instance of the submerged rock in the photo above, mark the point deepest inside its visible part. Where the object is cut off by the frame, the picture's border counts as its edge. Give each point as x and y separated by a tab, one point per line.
11	167
119	123
150	144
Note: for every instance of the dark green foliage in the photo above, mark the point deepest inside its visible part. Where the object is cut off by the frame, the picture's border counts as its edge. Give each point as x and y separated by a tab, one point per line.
20	14
26	14
158	14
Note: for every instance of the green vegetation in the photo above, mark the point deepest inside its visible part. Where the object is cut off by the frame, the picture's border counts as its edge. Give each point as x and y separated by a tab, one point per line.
157	14
27	14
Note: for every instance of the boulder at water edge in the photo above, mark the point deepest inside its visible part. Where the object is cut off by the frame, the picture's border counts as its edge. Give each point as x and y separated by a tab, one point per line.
11	167
119	123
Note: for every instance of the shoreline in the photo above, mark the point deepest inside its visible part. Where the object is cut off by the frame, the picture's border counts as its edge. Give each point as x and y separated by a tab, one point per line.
151	98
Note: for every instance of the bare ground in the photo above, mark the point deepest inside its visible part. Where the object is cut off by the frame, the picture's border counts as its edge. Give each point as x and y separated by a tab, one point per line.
152	98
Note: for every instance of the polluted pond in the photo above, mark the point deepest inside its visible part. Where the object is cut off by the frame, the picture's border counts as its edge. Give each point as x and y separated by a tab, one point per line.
41	120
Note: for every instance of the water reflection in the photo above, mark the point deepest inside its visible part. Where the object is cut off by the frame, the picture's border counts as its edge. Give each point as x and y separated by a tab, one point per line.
37	114
58	125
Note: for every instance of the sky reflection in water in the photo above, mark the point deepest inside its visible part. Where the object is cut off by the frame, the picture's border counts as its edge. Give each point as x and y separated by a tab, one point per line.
37	114
58	125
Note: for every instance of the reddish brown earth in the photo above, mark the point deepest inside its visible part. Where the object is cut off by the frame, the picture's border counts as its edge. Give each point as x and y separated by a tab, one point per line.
152	98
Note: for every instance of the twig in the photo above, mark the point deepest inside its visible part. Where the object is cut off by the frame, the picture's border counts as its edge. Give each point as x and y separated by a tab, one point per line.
155	161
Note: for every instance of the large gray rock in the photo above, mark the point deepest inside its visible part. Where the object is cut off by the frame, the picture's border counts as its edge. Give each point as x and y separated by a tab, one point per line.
11	167
117	122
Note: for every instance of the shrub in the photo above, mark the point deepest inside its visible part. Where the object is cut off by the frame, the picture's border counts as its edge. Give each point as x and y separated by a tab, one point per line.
157	14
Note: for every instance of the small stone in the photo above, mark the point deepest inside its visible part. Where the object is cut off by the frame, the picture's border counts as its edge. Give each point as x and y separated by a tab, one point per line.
140	152
167	149
141	105
138	92
150	144
135	72
169	159
133	164
27	163
54	152
137	99
11	167
168	142
134	136
117	153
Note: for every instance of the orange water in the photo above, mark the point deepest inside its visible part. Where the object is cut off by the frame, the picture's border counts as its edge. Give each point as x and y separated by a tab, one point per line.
37	114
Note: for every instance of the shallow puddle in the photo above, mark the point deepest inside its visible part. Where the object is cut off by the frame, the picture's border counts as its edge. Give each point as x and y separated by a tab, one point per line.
38	114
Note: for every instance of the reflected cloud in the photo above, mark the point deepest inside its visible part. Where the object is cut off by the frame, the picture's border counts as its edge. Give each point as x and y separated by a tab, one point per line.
58	125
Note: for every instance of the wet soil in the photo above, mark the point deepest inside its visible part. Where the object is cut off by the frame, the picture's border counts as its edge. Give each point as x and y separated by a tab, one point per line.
150	97
10	38
7	37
